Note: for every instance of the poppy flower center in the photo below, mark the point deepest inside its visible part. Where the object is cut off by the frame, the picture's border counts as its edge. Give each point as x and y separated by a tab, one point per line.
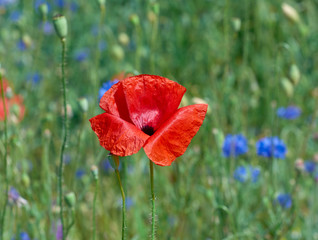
148	130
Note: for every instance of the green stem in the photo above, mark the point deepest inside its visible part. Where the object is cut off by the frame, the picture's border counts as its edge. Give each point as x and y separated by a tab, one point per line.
123	229
71	224
153	216
5	161
94	209
64	138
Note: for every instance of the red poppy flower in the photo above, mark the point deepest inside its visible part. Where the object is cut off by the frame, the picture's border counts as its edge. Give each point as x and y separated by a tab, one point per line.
142	111
14	105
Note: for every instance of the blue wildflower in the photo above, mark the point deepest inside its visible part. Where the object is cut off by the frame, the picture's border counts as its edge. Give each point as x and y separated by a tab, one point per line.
15	16
105	165
271	147
102	45
291	112
129	202
240	174
309	166
234	145
81	55
59	3
47	28
24	236
21	45
74	6
243	174
80	173
66	158
4	3
284	200
105	87
13	195
35	78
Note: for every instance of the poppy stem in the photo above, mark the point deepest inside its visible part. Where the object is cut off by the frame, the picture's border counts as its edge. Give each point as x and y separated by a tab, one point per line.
5	160
123	229
153	216
64	138
94	204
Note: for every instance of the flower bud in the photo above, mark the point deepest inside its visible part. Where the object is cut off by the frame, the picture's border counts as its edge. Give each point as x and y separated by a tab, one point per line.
123	38
83	103
101	2
94	171
290	13
43	10
60	25
294	74
287	86
134	19
236	23
25	180
118	52
70	199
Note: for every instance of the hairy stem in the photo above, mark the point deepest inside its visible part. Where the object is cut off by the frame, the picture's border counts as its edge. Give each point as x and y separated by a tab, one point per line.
153	216
64	138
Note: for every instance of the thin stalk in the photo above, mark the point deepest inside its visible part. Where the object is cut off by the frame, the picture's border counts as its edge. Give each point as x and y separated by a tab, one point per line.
6	179
94	209
153	216
123	229
71	224
64	138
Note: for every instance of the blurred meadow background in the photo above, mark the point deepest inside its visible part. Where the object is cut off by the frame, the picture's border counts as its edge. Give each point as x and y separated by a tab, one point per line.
249	173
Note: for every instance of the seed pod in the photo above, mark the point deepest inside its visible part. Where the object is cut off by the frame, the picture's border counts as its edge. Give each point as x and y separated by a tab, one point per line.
60	25
70	199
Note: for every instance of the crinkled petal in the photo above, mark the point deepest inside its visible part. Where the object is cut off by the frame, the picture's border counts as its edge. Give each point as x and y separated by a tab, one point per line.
116	135
173	137
151	99
144	100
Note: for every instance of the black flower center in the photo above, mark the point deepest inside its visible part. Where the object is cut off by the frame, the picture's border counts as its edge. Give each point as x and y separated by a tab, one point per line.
148	130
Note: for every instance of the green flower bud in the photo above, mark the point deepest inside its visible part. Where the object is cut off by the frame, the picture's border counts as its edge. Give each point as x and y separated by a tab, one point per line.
26	180
134	19
83	103
70	199
290	13
236	23
288	87
60	25
101	2
94	171
43	10
294	74
156	8
118	52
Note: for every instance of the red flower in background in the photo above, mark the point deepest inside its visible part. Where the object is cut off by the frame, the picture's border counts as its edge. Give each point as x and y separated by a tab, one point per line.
142	111
14	104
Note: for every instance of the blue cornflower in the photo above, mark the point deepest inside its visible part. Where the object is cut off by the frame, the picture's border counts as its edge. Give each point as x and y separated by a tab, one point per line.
35	78
271	147
234	145
284	200
5	3
105	165
15	16
290	112
102	45
240	174
21	45
47	28
74	6
129	202
105	87
59	3
309	166
243	174
14	195
24	236
80	173
81	55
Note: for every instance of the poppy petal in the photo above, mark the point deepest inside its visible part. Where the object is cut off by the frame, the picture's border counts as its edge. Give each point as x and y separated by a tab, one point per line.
116	135
114	102
173	137
151	99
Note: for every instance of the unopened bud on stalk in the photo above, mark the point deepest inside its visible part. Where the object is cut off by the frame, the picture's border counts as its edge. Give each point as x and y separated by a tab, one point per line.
134	19
70	199
290	13
236	23
294	74
83	104
101	2
43	10
60	25
288	87
94	171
